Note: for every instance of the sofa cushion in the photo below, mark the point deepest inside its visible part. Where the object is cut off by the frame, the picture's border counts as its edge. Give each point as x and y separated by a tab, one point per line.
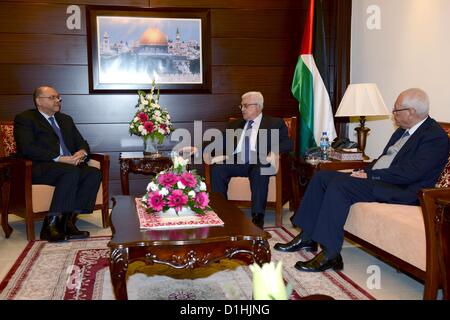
396	229
239	189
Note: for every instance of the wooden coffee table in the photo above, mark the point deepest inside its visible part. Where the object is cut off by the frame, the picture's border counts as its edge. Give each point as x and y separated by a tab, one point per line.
189	248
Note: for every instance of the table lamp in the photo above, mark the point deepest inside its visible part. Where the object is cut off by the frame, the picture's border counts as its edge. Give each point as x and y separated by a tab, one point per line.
362	100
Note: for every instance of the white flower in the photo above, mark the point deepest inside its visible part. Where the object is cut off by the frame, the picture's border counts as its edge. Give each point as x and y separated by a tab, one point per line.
268	283
143	101
140	128
136	119
144	132
157	113
161	131
164	192
179	162
191	194
152	186
202	186
180	185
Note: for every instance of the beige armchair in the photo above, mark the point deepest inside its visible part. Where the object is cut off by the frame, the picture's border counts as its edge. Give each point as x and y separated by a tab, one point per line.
280	191
32	201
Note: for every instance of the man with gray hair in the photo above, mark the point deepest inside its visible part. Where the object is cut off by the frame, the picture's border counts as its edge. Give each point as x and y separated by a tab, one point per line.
256	138
412	160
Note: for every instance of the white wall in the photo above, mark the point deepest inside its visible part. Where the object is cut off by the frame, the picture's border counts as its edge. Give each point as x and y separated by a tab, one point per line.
412	49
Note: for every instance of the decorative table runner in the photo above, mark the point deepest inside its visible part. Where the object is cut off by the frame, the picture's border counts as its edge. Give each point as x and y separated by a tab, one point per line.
162	220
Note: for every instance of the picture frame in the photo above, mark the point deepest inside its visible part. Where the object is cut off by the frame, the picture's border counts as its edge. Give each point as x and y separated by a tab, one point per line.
128	48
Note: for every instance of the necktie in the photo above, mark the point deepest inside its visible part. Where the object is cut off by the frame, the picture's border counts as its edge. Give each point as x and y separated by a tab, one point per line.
65	151
405	134
247	141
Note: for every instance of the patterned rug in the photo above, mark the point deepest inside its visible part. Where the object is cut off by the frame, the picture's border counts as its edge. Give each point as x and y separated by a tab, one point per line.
78	270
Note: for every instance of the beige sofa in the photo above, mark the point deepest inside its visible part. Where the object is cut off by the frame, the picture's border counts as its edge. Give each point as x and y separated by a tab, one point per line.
402	235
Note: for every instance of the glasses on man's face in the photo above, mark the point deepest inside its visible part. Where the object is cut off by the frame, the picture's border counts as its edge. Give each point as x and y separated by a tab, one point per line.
53	98
394	111
246	105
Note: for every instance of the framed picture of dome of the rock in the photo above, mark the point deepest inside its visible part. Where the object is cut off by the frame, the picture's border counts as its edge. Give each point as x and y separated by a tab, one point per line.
128	49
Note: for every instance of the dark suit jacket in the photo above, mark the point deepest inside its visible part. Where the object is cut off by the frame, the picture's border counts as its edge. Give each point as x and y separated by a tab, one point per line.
417	165
36	140
268	123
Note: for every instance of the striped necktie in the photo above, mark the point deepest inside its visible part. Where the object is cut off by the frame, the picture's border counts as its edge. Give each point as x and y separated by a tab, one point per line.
65	151
247	141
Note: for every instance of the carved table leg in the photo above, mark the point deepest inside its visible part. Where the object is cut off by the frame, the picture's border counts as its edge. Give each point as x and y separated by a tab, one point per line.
261	252
124	179
118	266
5	205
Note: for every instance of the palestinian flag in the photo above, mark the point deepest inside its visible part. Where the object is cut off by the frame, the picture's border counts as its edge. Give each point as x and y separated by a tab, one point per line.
316	114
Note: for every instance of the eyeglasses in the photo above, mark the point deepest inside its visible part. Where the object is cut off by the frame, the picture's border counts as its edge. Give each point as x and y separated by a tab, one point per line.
52	97
245	106
398	110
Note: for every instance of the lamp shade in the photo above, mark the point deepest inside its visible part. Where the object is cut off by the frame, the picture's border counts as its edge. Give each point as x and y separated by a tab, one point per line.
362	99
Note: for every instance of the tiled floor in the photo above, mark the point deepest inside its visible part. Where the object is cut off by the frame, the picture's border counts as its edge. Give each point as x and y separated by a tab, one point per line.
359	265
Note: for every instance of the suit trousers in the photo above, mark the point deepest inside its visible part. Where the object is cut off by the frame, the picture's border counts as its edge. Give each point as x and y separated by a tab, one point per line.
76	187
326	204
259	184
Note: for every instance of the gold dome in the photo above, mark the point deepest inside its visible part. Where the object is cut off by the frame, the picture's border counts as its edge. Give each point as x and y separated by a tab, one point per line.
152	36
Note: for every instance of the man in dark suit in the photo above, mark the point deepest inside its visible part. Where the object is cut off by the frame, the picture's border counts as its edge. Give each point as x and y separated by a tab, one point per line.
413	159
252	146
59	154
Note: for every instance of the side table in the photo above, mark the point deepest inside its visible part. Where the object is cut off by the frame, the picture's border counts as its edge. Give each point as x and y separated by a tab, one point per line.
137	162
302	173
5	183
441	234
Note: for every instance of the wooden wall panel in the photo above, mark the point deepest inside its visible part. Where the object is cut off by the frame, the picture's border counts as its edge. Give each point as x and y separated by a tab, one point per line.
43	18
232	4
252	52
43	49
132	3
254	46
23	79
238	79
279	24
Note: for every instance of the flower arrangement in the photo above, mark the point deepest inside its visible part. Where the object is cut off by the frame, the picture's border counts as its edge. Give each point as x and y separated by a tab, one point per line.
151	121
177	189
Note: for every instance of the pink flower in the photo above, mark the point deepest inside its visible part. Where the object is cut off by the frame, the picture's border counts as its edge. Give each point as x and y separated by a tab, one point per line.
168	179
143	117
155	201
188	180
177	200
202	200
148	125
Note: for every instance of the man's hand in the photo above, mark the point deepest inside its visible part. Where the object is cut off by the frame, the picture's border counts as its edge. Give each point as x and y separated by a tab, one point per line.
75	159
72	160
359	174
80	154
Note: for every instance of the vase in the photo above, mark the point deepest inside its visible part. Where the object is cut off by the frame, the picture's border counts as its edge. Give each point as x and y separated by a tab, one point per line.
171	213
151	148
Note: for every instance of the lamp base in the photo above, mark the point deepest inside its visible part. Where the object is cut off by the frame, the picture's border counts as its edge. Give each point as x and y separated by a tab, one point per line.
361	133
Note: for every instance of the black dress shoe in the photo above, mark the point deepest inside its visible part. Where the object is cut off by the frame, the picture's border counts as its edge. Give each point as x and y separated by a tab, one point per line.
297	244
51	230
258	220
321	263
68	223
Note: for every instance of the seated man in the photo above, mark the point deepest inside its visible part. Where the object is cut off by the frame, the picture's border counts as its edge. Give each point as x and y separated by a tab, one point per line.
413	159
59	154
251	151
